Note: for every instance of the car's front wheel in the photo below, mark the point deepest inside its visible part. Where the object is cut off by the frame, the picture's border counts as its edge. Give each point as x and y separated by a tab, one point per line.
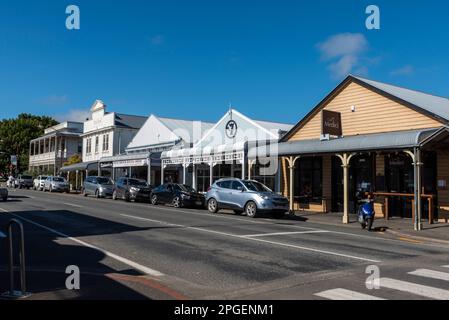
114	195
154	200
251	209
177	202
212	205
97	194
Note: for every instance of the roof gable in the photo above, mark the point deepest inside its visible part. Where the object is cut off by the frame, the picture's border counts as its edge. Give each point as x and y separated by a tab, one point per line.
393	93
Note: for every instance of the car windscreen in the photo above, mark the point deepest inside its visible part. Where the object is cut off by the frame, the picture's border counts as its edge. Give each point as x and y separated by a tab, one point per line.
137	183
183	188
104	181
43	178
255	186
27	177
57	179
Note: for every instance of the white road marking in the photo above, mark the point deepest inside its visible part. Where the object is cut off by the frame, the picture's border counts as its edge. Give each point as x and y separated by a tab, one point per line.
284	233
446	266
128	262
416	289
72	205
2	235
255	239
430	274
343	294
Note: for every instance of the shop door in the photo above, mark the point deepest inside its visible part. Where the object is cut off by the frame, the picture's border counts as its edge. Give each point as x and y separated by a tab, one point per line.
400	179
361	175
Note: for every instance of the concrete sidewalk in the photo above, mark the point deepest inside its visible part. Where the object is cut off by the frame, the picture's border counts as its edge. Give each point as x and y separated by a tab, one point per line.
438	232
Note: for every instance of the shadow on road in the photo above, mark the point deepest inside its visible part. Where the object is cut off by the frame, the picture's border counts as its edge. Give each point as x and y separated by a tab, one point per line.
48	255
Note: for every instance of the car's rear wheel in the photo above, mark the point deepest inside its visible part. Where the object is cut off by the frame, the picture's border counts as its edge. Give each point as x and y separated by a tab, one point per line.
51	189
251	209
114	195
212	205
97	194
154	200
176	202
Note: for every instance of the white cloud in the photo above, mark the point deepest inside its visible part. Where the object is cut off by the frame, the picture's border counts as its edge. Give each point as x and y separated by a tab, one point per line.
79	115
344	52
404	71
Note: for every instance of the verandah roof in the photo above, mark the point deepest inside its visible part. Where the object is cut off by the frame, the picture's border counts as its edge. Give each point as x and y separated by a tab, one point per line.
80	167
372	142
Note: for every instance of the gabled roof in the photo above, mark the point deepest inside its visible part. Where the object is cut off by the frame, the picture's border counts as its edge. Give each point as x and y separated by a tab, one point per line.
162	131
185	128
430	105
129	121
435	105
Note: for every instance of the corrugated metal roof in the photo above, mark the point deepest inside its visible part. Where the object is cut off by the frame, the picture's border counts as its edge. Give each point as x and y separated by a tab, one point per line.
129	121
185	128
436	105
382	141
80	166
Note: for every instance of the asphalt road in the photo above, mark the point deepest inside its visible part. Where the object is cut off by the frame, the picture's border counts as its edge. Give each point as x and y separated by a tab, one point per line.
138	251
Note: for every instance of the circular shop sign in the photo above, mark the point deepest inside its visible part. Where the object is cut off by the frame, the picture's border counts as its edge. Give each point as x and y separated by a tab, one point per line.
231	129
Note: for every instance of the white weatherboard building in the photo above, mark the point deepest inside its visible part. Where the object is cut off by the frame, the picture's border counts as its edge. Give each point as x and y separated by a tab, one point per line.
49	152
142	158
106	134
222	152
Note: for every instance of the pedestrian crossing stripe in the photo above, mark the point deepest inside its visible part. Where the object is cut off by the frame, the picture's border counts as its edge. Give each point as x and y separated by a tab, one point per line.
430	274
343	294
416	289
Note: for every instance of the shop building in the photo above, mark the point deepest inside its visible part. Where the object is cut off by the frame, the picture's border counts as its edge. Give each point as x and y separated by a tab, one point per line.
49	152
370	137
142	158
105	134
223	152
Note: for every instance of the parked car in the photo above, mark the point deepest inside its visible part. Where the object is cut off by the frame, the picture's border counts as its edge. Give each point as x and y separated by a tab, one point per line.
178	195
100	187
38	183
130	189
4	194
11	183
245	196
24	181
57	184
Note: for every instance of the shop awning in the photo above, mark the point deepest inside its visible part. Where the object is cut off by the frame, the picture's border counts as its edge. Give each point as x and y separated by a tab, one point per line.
192	152
372	142
82	166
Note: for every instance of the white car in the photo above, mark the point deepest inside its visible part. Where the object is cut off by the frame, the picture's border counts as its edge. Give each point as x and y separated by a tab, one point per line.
39	183
57	184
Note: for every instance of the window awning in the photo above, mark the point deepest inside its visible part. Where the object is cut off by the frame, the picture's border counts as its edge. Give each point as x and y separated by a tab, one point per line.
82	166
372	142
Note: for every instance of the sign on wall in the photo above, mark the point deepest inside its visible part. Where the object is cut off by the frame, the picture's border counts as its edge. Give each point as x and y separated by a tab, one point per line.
231	129
331	123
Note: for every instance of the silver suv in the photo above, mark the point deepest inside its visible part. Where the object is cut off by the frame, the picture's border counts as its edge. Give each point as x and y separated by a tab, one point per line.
101	187
247	196
57	184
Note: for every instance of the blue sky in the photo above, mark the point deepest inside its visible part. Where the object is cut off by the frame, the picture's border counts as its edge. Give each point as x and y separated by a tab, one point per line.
273	60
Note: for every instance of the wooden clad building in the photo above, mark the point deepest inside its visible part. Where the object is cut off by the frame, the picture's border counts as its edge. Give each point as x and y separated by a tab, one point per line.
370	137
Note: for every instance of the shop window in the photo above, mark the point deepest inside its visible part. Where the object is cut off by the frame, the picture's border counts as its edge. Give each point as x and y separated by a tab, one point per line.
309	180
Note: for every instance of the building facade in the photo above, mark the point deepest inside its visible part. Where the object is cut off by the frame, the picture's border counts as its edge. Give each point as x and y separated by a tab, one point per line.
49	152
142	158
105	134
222	152
370	137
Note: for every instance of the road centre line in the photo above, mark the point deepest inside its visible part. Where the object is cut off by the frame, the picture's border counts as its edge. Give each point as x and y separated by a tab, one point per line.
284	233
135	265
255	239
72	205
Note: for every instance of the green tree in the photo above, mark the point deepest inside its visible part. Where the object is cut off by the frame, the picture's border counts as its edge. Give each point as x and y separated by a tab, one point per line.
15	137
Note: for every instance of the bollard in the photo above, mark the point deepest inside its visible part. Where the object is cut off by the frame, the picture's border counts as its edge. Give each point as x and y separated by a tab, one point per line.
12	293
